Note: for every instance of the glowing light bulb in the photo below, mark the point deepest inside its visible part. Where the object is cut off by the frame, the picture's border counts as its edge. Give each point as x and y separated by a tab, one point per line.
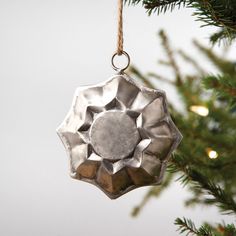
212	153
200	110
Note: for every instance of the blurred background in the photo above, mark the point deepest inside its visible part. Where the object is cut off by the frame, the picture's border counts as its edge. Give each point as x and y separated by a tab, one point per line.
47	49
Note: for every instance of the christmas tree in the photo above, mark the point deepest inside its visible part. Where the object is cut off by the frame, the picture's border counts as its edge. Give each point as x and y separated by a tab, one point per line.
205	161
218	13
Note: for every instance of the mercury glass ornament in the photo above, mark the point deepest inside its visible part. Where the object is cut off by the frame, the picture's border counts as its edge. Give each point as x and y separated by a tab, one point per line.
119	135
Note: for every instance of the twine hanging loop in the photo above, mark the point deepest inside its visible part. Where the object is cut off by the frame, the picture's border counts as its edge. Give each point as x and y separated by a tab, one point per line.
120	41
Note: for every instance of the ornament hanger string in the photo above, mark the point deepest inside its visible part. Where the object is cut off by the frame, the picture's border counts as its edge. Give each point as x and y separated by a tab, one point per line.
120	40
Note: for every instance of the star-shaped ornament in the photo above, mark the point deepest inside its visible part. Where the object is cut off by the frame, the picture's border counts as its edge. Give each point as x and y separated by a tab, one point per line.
119	135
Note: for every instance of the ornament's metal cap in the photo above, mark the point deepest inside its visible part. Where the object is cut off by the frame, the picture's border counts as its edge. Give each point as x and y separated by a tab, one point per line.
119	135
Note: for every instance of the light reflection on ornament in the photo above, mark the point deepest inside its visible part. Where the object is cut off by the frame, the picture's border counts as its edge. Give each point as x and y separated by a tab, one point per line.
212	154
200	110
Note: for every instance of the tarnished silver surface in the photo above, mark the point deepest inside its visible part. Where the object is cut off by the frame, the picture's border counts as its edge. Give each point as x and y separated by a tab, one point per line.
114	135
119	135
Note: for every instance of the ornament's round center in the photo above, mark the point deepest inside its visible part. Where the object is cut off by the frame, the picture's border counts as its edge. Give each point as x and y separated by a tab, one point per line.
114	135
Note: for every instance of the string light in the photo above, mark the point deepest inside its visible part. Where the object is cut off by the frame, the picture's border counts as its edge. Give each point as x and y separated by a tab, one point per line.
212	154
200	110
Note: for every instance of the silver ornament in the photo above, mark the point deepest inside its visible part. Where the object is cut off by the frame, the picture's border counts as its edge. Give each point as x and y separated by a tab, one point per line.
119	135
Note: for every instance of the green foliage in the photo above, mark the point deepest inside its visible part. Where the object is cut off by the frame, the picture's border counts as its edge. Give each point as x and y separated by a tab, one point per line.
155	191
219	13
188	227
211	181
159	6
203	184
224	86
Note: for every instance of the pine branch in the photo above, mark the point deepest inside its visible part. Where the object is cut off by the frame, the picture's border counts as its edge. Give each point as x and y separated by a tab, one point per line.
161	78
192	61
137	73
217	131
187	226
223	65
219	197
219	13
170	55
159	6
154	191
223	34
162	6
223	85
228	230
